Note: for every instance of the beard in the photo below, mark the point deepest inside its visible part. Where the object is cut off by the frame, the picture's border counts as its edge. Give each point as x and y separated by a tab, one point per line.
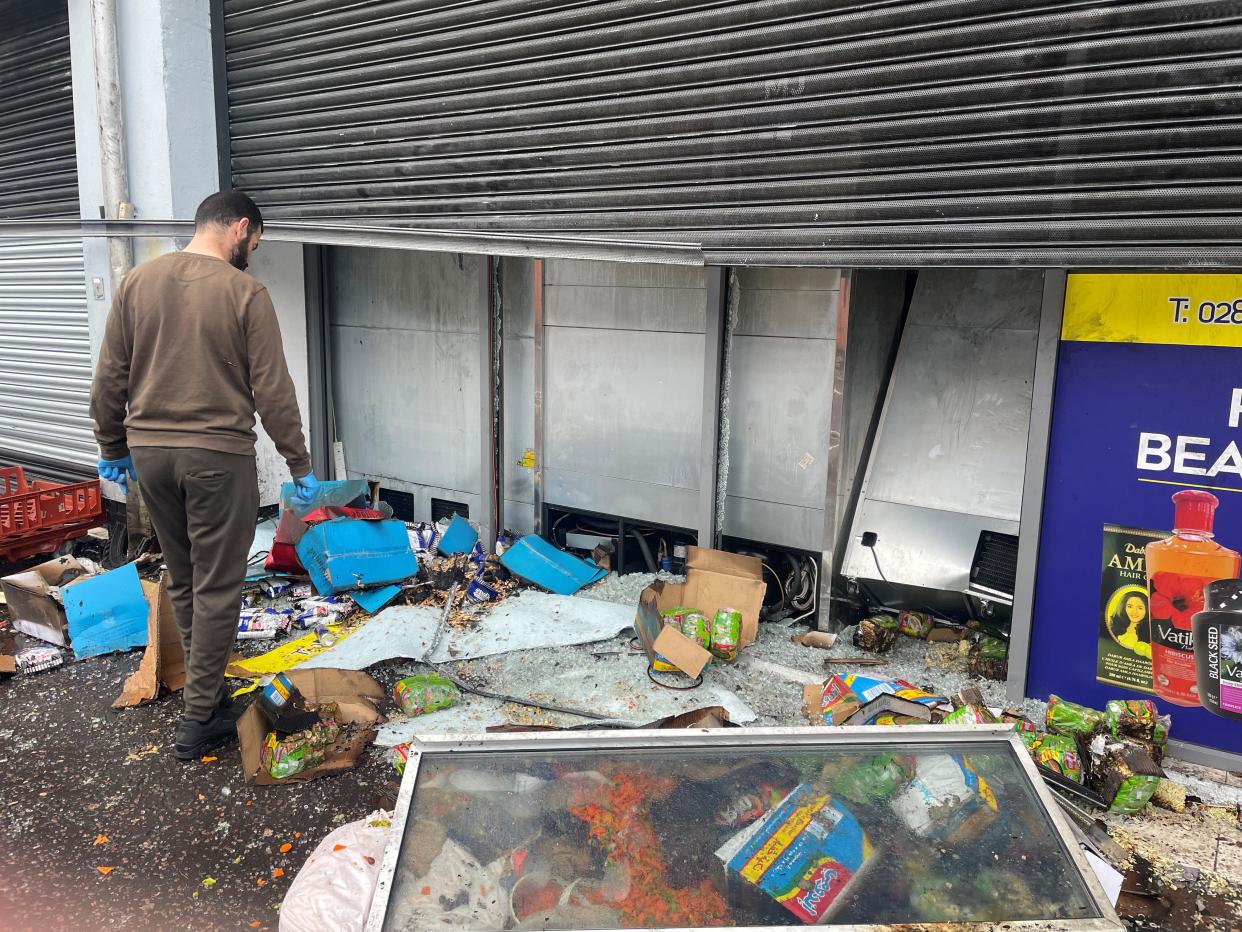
239	256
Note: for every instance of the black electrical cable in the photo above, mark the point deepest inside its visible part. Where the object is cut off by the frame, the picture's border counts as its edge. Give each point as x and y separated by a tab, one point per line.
698	681
646	550
877	564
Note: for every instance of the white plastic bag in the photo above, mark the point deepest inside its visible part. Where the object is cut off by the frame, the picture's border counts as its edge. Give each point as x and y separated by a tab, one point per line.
456	893
333	890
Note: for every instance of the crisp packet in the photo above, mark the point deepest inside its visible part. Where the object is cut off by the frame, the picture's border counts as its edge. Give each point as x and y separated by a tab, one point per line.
806	854
302	750
397	756
915	624
877	634
38	659
867	688
947	800
1056	752
875	778
970	715
425	692
1071	719
1127	776
1138	719
837	702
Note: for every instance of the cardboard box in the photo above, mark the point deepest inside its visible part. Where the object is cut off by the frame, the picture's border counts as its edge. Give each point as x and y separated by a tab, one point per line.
34	602
164	661
344	554
358	697
807	854
714	580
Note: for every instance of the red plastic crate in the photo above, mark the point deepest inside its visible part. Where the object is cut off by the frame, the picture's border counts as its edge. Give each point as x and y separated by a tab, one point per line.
38	517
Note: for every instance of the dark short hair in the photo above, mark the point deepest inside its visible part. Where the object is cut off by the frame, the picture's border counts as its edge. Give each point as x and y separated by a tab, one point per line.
225	209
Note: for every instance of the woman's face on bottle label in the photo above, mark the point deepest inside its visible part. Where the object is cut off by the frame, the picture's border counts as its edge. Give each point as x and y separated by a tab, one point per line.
1136	611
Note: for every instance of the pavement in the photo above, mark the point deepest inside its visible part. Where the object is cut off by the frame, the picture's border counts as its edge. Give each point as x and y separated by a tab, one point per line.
101	827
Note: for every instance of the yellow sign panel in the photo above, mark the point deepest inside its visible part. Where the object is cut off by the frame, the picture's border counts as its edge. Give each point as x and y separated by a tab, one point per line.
1175	309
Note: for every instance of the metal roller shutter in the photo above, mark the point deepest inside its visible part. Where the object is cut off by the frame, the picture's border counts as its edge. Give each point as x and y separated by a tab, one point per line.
45	350
1088	132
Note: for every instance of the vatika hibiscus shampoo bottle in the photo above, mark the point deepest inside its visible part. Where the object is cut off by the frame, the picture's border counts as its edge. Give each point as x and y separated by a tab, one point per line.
1178	568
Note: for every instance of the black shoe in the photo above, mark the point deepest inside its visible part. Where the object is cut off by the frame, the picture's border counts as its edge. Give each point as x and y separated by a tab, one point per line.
194	739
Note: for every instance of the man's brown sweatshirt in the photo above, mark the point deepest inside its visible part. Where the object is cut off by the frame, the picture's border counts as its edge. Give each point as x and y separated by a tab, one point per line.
192	348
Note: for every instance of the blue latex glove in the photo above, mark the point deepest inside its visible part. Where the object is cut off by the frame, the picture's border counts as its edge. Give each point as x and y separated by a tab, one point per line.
117	470
305	494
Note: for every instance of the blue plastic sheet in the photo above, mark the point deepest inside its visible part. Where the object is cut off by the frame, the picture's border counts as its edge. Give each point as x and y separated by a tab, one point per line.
106	613
535	560
459	537
334	492
372	600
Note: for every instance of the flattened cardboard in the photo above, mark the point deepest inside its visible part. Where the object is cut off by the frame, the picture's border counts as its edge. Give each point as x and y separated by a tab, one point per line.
358	697
32	605
686	655
164	661
8	662
845	704
714	580
712	716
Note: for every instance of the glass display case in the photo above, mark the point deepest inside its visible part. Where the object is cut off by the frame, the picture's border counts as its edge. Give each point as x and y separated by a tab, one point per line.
753	829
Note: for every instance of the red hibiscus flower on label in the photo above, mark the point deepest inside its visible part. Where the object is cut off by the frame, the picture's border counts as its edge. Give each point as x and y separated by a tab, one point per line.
1176	597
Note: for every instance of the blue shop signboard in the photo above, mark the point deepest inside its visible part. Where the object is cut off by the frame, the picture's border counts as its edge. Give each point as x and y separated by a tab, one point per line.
1148	406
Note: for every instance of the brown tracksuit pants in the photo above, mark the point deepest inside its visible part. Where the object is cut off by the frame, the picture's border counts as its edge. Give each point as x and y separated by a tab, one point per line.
203	507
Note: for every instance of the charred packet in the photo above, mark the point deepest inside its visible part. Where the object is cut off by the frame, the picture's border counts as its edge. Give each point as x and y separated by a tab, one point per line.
1126	775
877	634
989	659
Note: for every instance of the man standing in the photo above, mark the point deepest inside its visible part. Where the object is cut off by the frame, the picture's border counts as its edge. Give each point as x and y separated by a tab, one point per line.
191	351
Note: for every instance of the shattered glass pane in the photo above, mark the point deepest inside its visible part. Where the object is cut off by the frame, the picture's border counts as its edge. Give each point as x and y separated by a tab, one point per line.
732	837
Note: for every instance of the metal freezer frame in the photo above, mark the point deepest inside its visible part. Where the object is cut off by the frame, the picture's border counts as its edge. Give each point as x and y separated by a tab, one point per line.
751	738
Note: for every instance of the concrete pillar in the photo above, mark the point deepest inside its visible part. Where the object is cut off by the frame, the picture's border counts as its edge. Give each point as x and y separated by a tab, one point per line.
168	101
169	106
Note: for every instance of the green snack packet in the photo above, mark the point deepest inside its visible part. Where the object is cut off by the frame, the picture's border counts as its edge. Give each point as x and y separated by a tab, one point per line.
302	750
969	715
1130	777
425	692
1071	720
1058	753
874	779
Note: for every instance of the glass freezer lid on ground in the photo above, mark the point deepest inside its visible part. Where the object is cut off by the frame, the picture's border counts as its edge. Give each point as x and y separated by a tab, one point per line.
731	828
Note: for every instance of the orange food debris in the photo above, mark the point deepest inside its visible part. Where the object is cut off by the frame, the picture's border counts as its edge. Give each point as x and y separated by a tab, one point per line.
286	848
101	839
261	882
339	847
255	924
208	760
104	870
278	873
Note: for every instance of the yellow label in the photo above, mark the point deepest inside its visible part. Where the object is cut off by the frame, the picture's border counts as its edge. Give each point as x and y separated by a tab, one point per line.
781	839
1175	309
528	459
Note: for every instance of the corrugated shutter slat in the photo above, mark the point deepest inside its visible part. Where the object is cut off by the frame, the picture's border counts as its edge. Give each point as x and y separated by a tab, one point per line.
1104	132
45	349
